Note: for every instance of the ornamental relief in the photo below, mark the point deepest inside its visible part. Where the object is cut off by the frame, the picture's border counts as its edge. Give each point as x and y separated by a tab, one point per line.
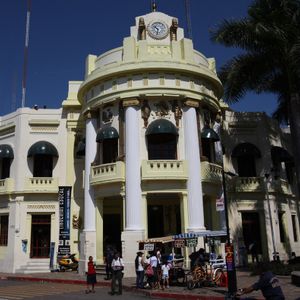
161	109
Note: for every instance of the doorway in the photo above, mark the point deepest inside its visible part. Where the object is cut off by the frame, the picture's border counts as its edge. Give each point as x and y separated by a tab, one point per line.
251	230
112	231
40	236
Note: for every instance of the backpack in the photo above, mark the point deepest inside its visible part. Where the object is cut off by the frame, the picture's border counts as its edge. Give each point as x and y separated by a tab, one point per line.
149	271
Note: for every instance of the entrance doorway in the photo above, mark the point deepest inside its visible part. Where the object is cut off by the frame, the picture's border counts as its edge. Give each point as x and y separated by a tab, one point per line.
112	231
251	230
40	236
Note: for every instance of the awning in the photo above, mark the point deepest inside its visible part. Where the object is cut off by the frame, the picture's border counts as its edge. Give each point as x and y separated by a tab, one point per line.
80	150
42	148
6	151
163	240
161	126
279	154
106	133
246	149
209	133
204	233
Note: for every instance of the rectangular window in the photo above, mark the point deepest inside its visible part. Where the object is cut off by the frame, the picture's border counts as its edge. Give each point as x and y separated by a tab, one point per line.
3	230
294	224
281	227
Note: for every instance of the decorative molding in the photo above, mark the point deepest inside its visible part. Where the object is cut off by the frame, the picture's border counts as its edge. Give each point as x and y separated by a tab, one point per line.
191	103
131	102
7	129
41	206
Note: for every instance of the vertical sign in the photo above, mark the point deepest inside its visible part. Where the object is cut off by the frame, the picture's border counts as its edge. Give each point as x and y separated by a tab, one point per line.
64	199
52	247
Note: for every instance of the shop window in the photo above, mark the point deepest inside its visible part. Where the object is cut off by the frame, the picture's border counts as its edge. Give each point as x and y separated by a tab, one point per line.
42	165
281	227
294	224
3	230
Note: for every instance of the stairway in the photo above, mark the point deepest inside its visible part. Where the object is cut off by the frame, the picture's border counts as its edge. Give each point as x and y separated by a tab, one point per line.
100	269
40	265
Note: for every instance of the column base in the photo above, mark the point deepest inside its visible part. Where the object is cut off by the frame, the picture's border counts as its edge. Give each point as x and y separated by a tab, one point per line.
130	247
87	248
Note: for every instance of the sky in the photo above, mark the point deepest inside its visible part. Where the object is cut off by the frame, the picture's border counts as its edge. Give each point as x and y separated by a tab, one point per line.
64	32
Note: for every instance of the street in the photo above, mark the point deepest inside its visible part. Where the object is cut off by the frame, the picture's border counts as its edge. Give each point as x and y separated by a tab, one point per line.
17	290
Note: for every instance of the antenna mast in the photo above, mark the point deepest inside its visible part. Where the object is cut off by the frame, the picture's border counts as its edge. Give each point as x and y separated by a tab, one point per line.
188	19
24	79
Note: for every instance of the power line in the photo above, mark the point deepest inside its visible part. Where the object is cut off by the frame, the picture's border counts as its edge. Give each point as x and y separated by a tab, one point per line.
24	79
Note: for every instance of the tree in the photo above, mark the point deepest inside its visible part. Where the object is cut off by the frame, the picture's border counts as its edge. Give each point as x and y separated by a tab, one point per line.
269	37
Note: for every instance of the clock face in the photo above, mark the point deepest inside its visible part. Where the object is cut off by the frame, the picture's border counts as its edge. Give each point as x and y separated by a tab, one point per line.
158	30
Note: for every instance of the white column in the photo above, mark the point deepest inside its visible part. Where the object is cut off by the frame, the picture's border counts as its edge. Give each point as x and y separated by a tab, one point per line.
90	153
134	227
88	236
133	177
194	185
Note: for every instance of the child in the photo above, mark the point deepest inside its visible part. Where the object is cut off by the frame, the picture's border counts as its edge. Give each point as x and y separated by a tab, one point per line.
91	276
165	274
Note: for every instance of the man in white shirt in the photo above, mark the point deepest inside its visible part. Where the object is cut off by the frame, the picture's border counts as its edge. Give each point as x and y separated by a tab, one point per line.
117	266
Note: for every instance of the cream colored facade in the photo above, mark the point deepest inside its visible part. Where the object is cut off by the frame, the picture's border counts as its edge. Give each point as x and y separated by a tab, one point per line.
150	115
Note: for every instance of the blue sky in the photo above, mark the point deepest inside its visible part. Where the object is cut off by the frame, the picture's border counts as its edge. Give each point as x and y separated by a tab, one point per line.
64	32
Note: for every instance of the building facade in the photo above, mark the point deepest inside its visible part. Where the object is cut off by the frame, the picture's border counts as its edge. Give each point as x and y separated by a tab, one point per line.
142	142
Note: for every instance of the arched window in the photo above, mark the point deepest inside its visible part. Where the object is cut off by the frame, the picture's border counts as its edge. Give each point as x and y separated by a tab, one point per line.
208	139
246	155
108	137
42	153
279	155
162	140
6	157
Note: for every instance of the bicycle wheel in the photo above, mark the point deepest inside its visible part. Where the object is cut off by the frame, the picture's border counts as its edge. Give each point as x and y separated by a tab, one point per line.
190	284
218	276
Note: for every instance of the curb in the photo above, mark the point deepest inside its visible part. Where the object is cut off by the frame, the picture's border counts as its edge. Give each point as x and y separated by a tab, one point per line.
150	294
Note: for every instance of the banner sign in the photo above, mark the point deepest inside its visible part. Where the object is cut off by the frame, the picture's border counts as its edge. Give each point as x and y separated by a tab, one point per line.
64	199
229	257
220	204
52	247
180	243
191	242
149	247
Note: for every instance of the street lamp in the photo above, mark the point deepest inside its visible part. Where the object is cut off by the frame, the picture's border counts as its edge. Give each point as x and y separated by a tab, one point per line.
229	251
270	216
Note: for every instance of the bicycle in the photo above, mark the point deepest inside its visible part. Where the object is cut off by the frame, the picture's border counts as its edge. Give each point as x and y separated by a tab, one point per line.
201	276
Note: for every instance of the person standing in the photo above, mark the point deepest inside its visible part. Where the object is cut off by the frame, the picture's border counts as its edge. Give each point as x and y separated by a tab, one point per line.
108	260
117	266
154	264
91	276
139	269
165	275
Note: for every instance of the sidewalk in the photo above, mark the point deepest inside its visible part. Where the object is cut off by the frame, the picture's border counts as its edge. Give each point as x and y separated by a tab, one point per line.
175	292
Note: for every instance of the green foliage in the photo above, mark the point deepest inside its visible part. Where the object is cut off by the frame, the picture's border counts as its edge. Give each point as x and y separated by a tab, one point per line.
269	38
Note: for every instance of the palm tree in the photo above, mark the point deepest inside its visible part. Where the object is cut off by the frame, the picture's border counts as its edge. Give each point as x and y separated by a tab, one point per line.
269	38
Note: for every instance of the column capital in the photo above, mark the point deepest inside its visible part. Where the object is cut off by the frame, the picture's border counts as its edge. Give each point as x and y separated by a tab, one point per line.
90	114
191	103
131	102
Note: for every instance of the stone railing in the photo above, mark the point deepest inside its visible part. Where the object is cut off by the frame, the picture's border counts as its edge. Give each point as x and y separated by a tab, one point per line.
164	170
211	173
41	184
113	172
6	185
249	184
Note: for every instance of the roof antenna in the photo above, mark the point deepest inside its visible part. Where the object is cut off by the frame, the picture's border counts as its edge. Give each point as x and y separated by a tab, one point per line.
26	53
153	6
